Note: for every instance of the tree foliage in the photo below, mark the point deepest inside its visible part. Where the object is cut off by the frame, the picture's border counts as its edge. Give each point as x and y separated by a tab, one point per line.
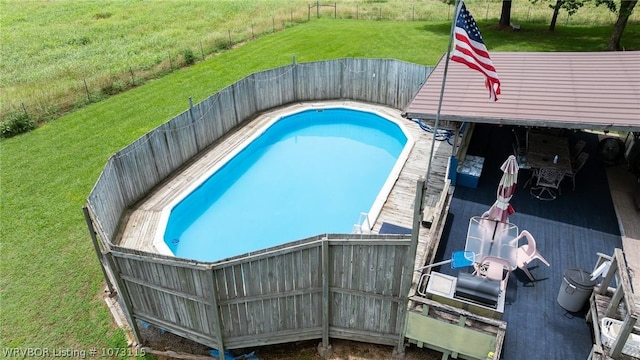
625	11
610	4
570	6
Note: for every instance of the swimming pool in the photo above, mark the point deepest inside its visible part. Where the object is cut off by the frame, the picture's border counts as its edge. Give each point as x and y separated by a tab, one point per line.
303	174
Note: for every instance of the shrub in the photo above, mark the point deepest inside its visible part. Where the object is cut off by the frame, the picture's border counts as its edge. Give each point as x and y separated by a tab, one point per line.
15	123
81	41
222	44
103	15
115	86
189	58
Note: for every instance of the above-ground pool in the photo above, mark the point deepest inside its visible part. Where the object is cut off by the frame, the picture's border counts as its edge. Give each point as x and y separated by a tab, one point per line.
308	173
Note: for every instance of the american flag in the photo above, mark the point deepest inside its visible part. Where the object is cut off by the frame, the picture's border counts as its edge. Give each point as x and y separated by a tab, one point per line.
469	49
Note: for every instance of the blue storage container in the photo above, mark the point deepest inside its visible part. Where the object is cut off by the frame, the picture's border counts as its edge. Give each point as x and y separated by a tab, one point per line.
470	171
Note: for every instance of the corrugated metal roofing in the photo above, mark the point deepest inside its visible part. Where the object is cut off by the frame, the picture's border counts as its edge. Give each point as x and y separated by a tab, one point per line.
594	90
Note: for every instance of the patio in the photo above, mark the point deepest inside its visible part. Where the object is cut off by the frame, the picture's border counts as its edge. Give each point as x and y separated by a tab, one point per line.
555	91
569	231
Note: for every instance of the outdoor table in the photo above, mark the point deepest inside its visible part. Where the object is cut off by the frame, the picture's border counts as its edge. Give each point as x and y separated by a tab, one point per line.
542	148
488	237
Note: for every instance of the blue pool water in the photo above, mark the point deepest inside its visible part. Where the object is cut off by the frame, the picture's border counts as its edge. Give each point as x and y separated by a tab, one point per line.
309	173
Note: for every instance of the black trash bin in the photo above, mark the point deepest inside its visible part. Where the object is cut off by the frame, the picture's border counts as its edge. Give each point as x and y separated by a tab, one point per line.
575	290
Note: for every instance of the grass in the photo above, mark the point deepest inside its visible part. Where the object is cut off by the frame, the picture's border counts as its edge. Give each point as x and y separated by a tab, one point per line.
58	56
50	281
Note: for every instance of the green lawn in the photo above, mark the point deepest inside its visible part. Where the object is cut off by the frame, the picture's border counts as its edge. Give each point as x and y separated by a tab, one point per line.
50	281
59	55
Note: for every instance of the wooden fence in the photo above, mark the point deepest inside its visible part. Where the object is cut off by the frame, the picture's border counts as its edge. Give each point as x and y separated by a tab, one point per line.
135	170
342	286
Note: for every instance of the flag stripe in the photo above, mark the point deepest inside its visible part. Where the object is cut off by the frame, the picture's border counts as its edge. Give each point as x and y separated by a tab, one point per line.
465	48
469	49
479	48
470	62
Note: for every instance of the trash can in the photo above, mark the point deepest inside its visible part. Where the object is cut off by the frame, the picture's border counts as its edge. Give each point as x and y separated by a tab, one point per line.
575	289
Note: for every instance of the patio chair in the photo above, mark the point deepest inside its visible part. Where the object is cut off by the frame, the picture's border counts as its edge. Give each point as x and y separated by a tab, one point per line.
521	158
547	183
493	268
527	253
534	175
520	144
576	166
577	149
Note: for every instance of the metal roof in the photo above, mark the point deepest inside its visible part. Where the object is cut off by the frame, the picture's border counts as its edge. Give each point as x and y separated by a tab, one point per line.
587	90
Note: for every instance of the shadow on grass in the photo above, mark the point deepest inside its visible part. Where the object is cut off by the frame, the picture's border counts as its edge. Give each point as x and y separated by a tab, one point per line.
537	37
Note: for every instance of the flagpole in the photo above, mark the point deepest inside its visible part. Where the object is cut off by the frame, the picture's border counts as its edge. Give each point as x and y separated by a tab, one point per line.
444	78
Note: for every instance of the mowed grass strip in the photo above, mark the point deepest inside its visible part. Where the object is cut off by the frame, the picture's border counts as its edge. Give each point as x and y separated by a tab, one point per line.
50	49
50	279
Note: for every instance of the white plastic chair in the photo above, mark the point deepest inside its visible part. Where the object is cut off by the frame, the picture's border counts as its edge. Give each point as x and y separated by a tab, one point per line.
610	330
493	268
527	253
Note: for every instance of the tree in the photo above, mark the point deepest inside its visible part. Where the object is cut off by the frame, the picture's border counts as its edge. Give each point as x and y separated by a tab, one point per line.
626	8
505	14
571	6
554	17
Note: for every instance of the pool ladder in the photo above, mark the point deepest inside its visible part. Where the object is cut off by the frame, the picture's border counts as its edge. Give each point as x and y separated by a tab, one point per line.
363	226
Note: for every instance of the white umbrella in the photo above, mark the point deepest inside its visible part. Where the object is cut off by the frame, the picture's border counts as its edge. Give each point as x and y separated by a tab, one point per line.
501	209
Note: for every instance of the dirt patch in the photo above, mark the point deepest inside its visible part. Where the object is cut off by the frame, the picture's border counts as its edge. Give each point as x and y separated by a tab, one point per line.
342	350
160	340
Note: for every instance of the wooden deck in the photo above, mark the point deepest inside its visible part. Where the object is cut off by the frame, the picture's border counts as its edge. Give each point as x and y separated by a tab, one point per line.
582	220
144	219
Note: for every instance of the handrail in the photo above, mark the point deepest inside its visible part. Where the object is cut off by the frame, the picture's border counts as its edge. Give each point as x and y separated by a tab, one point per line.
624	281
